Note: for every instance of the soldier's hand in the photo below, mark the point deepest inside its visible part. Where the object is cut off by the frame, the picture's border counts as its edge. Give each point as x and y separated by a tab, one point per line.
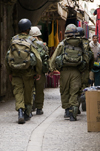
10	77
38	77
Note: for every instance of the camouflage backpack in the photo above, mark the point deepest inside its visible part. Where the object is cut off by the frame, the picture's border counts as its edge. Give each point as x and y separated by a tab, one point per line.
19	55
71	54
43	51
79	56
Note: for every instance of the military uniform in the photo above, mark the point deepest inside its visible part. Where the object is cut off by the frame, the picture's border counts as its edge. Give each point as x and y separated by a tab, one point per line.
39	89
70	81
87	56
66	54
40	84
23	82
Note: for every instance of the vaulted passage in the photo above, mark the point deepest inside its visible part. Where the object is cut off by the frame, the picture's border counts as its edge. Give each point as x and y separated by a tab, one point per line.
11	11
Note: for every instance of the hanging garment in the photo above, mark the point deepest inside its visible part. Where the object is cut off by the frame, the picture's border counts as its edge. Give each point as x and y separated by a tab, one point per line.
97	30
56	39
51	34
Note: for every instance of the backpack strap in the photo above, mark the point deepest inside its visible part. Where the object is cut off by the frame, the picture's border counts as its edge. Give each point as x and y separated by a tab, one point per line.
41	44
30	39
15	37
65	42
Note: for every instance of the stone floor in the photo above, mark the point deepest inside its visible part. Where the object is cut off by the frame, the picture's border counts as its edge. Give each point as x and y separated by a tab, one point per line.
47	132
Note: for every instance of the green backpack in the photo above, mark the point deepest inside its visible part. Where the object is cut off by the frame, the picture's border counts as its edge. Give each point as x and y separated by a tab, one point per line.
43	51
76	52
19	55
71	54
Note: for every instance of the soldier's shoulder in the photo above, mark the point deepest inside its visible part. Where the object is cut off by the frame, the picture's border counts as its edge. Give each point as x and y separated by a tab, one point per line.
61	43
31	38
41	44
15	37
85	39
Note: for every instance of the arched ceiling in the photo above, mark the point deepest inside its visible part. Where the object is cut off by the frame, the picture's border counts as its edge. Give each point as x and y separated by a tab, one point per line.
33	9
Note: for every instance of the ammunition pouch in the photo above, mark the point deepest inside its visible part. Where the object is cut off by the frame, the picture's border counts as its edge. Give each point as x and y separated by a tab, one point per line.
82	66
45	66
32	59
59	62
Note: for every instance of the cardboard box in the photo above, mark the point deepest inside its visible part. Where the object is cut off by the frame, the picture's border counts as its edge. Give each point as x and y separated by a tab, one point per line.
93	110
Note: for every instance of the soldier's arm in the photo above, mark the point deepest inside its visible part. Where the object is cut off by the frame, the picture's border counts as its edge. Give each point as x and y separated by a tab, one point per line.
38	60
7	65
56	53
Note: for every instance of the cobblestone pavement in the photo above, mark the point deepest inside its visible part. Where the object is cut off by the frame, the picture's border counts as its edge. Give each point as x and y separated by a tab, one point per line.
48	132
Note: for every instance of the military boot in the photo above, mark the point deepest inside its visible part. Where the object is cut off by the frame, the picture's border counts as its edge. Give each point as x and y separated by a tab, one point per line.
34	106
67	115
79	112
26	116
30	115
39	112
73	110
20	116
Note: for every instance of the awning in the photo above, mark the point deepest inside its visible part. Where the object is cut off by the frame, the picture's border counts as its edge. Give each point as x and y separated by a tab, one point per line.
81	14
62	10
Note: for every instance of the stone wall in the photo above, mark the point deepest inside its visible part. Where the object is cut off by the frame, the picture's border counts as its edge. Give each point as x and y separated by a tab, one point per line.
6	32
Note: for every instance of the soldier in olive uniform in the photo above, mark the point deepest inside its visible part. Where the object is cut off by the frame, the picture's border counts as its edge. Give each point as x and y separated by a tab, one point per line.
70	78
70	70
23	79
89	59
39	85
90	62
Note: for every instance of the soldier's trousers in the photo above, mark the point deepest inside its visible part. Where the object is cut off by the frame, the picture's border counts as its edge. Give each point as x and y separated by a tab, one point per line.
70	84
22	90
39	88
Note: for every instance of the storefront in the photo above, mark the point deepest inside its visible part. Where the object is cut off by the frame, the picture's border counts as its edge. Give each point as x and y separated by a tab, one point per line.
75	15
52	27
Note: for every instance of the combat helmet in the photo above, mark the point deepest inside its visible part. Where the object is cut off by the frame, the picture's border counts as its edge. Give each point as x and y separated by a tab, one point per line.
35	31
24	24
80	31
70	30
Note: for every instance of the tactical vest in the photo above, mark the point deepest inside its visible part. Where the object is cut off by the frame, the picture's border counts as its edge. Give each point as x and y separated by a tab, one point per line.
20	55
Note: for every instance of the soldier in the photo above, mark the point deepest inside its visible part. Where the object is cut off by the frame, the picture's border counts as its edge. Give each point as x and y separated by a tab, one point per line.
88	58
39	85
85	71
68	59
23	62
